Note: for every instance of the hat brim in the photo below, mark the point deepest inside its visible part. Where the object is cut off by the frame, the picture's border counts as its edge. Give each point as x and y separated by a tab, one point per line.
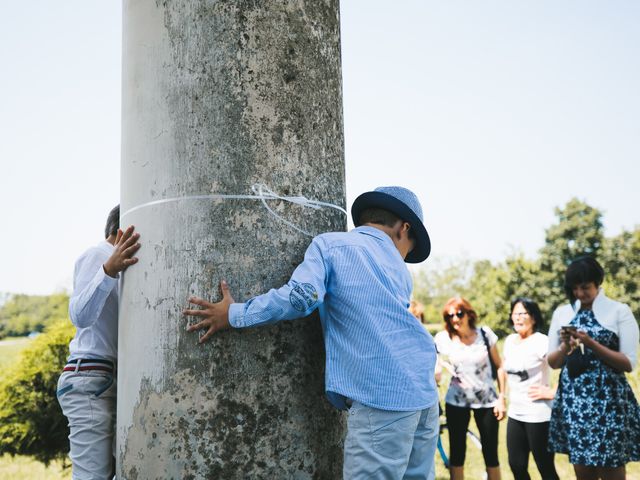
387	202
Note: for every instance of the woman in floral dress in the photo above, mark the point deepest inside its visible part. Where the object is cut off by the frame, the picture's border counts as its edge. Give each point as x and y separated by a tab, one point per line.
595	417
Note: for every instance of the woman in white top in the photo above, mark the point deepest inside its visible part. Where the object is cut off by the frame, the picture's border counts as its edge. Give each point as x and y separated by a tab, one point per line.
595	417
464	351
525	362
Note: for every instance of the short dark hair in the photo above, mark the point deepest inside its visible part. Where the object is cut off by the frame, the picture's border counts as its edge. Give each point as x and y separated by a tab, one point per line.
532	309
585	269
113	222
379	216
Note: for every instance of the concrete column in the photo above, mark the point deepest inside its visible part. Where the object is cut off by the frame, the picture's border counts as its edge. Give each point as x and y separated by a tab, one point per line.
217	96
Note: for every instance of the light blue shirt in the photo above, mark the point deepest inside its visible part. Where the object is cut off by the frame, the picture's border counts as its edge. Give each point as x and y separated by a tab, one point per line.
93	306
376	351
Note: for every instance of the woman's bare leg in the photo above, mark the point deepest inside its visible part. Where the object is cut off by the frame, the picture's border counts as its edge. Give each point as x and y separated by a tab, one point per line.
585	473
493	473
456	473
607	473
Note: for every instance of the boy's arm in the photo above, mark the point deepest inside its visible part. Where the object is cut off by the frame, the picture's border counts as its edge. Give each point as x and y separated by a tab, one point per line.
95	278
303	293
91	288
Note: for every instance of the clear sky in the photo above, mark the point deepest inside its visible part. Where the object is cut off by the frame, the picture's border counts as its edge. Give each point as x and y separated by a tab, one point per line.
493	112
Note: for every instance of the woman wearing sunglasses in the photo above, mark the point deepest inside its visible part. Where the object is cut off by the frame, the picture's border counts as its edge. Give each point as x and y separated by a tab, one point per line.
470	355
525	362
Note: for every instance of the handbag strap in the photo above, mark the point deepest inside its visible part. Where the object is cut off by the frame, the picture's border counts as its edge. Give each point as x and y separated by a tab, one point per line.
485	340
486	344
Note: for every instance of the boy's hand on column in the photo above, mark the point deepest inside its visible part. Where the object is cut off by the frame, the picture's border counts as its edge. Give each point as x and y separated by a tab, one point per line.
215	316
122	257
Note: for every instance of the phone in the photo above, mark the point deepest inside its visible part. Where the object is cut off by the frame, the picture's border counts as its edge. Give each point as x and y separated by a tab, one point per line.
569	328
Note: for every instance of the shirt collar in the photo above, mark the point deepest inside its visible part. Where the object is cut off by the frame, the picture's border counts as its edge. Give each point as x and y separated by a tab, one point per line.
373	232
599	297
598	302
106	245
380	235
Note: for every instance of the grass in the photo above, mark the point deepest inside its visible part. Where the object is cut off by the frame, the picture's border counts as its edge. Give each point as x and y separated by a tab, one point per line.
24	468
10	348
474	463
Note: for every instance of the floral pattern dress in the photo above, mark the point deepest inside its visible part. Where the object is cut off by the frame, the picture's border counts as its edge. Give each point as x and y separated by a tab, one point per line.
595	417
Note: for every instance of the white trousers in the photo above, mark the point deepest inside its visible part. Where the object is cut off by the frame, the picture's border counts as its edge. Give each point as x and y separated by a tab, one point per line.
88	400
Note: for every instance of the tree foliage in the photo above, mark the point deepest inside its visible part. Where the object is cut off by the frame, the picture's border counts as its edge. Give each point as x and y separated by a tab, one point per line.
31	421
486	292
490	287
578	231
22	314
620	257
438	282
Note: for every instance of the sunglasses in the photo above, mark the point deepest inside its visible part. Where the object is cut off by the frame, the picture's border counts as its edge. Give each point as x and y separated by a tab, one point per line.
458	314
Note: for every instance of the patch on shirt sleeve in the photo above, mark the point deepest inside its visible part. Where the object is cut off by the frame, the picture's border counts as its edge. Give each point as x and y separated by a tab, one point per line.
303	296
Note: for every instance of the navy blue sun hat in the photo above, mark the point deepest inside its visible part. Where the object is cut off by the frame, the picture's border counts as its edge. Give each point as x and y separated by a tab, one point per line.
405	205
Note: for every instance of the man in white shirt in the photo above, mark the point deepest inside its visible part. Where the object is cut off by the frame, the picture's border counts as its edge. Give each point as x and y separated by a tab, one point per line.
87	387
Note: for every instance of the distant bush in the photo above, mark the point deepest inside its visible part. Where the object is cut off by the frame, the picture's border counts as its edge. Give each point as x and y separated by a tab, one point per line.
31	421
22	314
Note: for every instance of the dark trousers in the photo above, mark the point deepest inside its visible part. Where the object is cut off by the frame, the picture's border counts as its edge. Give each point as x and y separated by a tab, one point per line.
524	437
458	423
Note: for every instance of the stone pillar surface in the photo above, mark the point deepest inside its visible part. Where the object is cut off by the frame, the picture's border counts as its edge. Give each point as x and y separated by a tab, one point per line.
218	96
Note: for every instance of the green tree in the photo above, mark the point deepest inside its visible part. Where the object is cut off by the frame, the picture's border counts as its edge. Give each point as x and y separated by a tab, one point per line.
578	231
525	279
486	291
22	314
481	282
491	287
437	282
31	422
620	259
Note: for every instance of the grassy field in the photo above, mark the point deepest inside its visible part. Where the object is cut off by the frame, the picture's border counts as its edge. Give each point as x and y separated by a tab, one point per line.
9	350
23	468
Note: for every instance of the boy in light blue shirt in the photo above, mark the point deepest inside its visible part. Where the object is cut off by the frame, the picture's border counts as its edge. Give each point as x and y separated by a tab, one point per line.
383	360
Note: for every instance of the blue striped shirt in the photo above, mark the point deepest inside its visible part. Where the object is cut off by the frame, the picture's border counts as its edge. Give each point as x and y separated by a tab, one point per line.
376	351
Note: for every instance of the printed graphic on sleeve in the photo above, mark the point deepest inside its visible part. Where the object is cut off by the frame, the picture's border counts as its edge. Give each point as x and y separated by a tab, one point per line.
303	296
